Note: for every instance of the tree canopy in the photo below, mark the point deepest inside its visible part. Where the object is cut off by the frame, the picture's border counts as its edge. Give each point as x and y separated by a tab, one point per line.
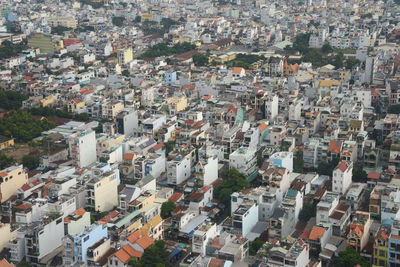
167	208
8	49
118	21
30	161
350	257
162	49
200	60
309	210
22	126
233	181
255	245
394	109
11	99
5	161
154	256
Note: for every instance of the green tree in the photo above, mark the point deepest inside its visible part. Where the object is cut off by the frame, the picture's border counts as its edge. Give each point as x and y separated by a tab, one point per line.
349	258
255	245
326	168
154	256
167	208
200	60
326	48
298	162
350	63
301	43
233	181
5	161
338	62
82	117
125	73
30	161
11	99
169	146
138	19
118	21
8	49
359	175
394	109
22	126
309	210
59	30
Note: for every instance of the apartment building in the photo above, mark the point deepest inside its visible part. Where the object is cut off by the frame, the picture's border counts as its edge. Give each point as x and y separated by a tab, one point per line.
82	148
11	179
102	191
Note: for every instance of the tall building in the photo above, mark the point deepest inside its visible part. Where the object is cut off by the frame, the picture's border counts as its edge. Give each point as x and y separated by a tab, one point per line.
342	176
394	245
102	191
11	179
82	148
127	122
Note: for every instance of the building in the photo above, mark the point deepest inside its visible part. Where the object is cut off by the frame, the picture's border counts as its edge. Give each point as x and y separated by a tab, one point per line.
111	108
202	236
342	177
178	169
289	254
76	247
82	148
359	231
64	21
102	191
6	142
125	56
245	217
244	160
76	222
394	245
43	238
11	179
127	122
282	160
44	42
381	243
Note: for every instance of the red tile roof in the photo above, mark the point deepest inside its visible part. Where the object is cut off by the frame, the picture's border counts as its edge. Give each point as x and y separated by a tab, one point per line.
176	197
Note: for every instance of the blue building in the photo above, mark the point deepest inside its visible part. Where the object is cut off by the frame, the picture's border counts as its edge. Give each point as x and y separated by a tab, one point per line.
394	245
76	247
170	77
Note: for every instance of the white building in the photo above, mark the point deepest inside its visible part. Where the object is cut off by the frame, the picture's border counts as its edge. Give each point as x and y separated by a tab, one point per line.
271	107
202	236
245	217
82	148
208	170
178	170
282	160
342	175
243	160
326	206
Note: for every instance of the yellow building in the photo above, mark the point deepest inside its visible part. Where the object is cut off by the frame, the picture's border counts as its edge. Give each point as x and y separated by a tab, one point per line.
153	228
75	104
381	247
11	179
102	192
6	142
6	235
111	108
176	104
44	102
109	142
125	55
